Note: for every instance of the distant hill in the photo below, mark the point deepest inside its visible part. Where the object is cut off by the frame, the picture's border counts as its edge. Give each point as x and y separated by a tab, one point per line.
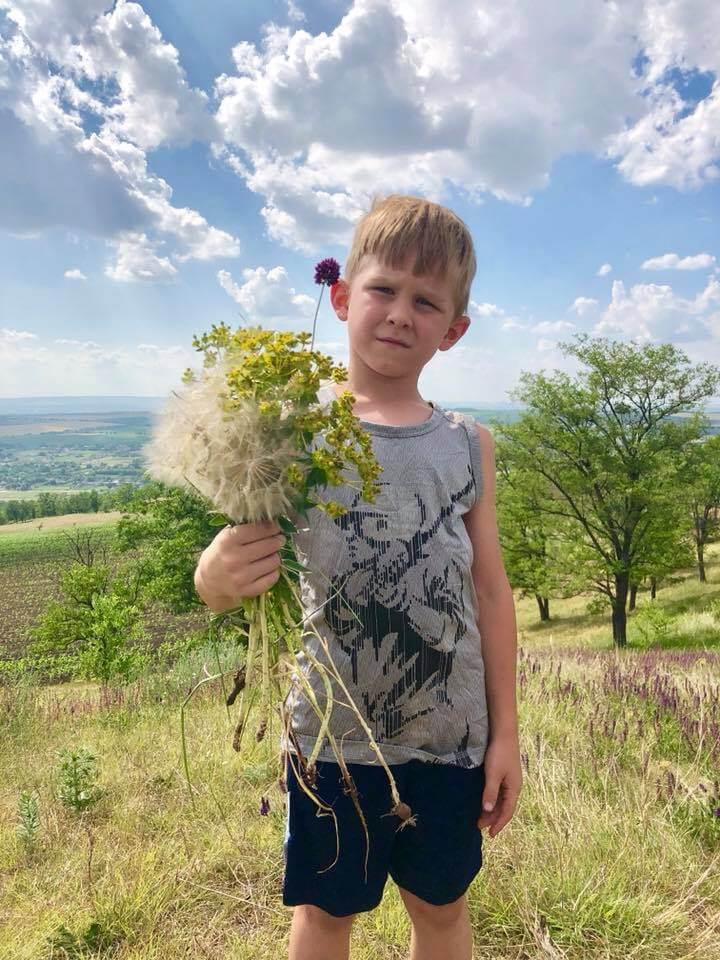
37	406
31	406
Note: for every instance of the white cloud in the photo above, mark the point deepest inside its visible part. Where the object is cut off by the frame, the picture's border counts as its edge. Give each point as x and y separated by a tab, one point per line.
583	305
668	147
490	311
34	366
674	143
8	337
422	96
75	274
486	309
294	12
552	326
671	261
652	312
152	103
136	260
413	107
267	296
604	270
83	95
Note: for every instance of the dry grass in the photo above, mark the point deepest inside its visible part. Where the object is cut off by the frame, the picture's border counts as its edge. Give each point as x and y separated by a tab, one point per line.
66	520
599	863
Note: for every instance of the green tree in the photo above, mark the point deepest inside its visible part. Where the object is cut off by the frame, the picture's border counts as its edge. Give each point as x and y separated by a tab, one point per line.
97	622
170	528
533	551
47	505
701	472
608	447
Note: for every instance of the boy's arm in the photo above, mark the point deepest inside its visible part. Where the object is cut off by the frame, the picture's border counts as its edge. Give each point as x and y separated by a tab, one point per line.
496	610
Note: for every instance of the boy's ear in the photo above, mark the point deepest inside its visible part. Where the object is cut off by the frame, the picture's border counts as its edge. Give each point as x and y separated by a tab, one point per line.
455	332
340	298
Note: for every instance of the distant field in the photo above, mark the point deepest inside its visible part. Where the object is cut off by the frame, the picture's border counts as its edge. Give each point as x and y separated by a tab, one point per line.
63	451
54	523
8	428
6	494
32	561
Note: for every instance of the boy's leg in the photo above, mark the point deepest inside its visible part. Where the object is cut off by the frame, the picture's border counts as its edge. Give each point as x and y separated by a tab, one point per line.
434	862
438	932
317	935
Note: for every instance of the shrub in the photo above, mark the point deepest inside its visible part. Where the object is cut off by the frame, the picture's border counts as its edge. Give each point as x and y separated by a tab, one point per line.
653	624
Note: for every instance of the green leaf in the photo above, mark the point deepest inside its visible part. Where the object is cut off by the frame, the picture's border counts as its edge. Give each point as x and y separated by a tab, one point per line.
317	477
286	525
218	520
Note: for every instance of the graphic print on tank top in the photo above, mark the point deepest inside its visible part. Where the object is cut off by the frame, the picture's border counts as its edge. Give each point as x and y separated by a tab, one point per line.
388	588
411	615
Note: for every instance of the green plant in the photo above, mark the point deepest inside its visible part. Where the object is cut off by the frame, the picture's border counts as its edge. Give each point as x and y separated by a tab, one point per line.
96	625
597	605
93	941
653	624
106	654
78	774
29	816
714	609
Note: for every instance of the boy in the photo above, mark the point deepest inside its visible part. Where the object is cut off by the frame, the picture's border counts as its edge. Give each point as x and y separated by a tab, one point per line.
421	573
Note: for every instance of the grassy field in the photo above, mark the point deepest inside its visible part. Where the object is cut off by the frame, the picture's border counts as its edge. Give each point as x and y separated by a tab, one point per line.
57	523
33	555
613	853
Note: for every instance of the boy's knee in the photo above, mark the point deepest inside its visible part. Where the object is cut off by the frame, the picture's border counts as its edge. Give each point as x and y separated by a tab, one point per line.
431	914
317	917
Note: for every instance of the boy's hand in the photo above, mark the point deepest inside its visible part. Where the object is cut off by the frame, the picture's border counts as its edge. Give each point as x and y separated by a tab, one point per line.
242	561
503	782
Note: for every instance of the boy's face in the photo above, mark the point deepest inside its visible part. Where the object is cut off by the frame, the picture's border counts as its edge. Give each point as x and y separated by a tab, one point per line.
386	302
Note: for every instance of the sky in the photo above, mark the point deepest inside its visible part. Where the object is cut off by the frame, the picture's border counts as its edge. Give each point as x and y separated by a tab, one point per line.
170	165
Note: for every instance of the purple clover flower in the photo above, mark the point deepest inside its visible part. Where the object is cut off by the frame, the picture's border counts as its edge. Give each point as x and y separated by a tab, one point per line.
264	806
327	271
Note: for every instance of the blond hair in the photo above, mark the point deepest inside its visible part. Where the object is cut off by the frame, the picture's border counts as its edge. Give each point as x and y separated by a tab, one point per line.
440	240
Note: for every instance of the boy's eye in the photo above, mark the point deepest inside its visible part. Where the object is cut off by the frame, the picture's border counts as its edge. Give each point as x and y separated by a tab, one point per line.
421	299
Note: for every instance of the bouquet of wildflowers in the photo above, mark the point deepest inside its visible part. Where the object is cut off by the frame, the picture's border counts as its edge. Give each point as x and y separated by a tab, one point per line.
240	434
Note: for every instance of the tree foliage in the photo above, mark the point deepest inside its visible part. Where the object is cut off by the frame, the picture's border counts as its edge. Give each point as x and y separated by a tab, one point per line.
609	447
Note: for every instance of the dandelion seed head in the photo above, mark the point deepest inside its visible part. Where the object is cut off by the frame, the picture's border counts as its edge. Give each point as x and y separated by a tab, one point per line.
230	455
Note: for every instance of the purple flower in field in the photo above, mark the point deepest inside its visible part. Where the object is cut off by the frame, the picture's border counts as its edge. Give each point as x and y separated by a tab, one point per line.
264	806
716	812
327	271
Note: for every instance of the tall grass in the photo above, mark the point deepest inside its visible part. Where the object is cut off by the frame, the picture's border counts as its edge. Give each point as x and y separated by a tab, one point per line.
614	850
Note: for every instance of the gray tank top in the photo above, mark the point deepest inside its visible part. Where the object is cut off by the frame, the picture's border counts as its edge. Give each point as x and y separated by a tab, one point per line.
402	627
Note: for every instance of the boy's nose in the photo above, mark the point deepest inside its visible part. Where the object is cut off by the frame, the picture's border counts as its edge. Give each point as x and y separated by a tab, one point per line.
399	312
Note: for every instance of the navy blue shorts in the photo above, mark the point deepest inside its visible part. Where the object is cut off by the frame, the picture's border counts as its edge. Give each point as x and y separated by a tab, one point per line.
436	859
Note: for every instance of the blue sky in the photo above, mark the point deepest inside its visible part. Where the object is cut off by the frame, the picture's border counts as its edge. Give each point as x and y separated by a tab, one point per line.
172	164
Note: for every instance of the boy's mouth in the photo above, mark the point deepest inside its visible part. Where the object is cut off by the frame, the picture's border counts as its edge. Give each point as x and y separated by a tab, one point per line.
395	343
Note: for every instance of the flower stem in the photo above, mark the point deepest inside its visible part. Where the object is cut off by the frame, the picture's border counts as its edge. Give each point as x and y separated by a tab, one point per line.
322	287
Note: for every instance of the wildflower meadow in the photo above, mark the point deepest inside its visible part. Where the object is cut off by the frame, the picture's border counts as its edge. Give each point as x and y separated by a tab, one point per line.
613	851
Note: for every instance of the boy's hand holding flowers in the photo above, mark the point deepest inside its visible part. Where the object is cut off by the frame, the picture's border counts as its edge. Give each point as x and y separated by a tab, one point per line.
242	562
